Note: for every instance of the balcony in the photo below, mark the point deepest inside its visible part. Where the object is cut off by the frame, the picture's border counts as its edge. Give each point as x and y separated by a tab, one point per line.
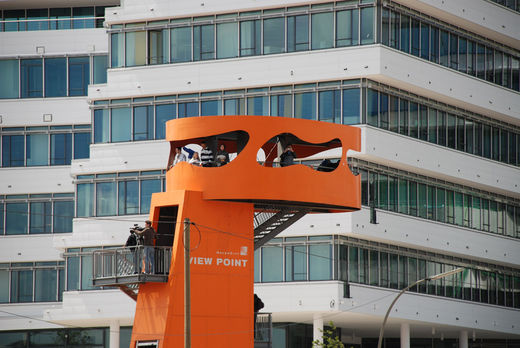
125	268
263	330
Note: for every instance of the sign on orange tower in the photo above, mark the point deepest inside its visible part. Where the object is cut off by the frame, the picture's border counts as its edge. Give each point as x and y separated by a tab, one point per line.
221	202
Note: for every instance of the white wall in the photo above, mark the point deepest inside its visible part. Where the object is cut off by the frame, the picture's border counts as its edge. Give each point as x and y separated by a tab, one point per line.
77	41
438	161
24	248
46	179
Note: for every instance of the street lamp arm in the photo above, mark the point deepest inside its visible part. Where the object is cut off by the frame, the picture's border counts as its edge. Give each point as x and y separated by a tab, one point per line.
381	331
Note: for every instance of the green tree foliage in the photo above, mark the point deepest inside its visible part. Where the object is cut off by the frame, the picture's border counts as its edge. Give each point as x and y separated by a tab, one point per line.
330	339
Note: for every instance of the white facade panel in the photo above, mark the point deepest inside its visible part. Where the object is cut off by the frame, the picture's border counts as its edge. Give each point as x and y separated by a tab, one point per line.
438	161
23	180
33	248
61	42
26	316
63	111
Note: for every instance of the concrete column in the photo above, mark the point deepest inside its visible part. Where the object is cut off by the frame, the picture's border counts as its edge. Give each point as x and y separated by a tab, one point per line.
317	328
114	334
463	339
405	335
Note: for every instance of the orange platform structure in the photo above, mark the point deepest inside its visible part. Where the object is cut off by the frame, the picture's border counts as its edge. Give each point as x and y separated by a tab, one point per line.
222	203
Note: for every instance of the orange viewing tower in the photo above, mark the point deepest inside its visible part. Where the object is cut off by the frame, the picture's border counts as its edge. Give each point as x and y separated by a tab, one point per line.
235	209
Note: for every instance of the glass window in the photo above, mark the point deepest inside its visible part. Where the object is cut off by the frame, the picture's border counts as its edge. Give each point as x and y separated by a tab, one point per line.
504	146
181	44
297	33
412	197
250	38
258	106
272	264
463	56
101	126
105	199
158	46
405	33
281	105
274	38
100	69
55	77
347	28
444	47
471	58
17	17
204	42
257	265
414	120
374	268
454	48
432	125
79	76
367	25
495	143
63	213
37	150
322	30
234	106
434	44
305	105
86	271
468	136
515	73
85	200
22	286
423	122
372	107
403	116
32	78
72	272
403	196
490	71
425	41
351	103
117	50
486	141
9	82
383	110
147	188
363	266
393	114
320	262
451	130
47	284
498	67
295	263
383	192
143	122
440	213
83	12
128	197
422	201
120	124
135	48
329	103
385	27
353	264
211	108
4	286
163	113
227	44
416	39
81	145
459	206
190	109
41	217
13	150
61	149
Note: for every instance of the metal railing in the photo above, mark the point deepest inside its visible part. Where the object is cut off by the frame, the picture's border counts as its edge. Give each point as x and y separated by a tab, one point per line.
263	330
124	262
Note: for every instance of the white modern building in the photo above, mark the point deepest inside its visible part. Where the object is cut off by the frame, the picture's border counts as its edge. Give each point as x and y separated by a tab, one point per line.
86	87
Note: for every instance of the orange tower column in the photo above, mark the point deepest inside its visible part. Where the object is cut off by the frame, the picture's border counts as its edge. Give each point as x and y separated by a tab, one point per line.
222	277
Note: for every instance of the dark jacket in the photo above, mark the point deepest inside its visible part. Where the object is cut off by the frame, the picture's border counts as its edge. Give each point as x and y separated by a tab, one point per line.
258	304
287	158
131	241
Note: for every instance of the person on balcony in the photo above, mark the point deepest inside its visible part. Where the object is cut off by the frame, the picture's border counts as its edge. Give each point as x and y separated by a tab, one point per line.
149	235
222	156
287	157
131	243
206	155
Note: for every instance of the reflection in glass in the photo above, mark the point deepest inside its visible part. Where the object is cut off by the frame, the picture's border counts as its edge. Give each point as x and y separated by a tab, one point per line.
105	199
163	113
274	35
347	24
32	78
37	149
227	45
120	124
181	44
55	77
79	76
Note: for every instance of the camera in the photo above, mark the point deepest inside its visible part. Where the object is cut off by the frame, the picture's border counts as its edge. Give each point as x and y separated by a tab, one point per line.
136	227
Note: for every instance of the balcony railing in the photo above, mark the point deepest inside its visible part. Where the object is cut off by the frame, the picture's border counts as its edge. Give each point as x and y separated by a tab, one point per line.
263	330
120	266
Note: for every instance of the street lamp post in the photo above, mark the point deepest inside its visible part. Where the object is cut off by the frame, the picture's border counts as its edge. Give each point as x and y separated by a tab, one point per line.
435	277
